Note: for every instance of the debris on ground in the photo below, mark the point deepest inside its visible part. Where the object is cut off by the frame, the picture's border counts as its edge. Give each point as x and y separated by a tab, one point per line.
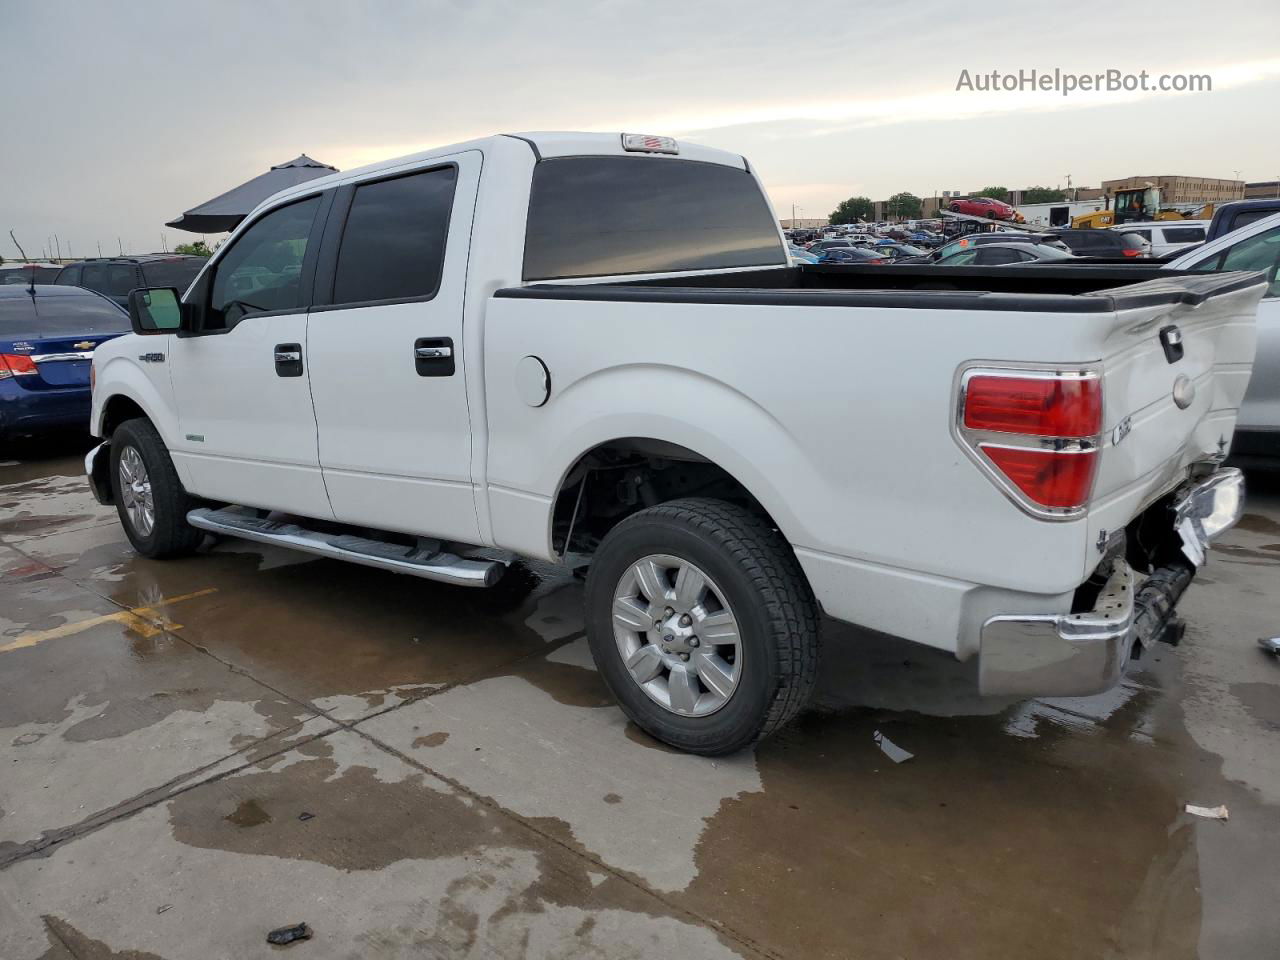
1271	645
304	816
891	749
287	935
164	907
1209	813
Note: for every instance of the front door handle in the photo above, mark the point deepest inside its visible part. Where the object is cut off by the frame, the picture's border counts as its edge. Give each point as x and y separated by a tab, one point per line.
288	359
433	356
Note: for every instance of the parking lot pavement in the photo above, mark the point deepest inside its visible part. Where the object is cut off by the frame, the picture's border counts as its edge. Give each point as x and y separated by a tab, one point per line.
193	753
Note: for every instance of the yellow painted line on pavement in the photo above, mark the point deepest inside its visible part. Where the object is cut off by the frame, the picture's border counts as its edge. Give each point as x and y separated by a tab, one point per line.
147	621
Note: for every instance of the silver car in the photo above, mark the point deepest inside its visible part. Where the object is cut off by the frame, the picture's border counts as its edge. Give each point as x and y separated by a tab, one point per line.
1252	247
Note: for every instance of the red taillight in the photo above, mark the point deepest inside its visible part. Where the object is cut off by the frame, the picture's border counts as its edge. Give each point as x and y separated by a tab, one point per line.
1040	407
1132	253
1051	479
16	365
1036	434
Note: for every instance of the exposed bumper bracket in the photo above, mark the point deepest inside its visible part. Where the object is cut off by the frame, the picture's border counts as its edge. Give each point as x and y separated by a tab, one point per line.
1077	654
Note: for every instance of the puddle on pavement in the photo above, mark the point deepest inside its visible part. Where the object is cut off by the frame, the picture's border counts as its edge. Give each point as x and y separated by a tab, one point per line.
366	820
1055	838
66	941
1261	700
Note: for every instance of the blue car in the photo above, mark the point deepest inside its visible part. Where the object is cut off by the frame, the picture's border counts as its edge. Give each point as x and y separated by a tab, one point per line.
47	337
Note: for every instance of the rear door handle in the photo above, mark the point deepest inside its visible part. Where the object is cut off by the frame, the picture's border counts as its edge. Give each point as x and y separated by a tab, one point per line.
433	356
288	359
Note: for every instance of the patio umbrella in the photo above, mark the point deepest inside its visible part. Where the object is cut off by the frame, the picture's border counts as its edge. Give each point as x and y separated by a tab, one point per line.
224	212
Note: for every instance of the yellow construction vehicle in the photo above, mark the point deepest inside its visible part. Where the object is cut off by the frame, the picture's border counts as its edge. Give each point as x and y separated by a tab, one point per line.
1140	205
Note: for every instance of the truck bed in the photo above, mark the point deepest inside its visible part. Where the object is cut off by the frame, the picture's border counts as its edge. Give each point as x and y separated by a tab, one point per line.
842	423
1058	289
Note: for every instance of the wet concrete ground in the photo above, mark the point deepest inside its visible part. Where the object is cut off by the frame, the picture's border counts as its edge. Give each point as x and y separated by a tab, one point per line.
195	752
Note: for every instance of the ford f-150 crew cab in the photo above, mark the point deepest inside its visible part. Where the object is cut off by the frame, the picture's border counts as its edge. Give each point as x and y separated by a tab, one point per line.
593	349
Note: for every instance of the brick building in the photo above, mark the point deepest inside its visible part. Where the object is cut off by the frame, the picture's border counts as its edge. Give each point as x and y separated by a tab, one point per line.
1177	189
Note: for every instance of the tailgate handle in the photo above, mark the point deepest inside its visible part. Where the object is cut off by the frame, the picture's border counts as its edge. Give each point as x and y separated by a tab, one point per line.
1171	341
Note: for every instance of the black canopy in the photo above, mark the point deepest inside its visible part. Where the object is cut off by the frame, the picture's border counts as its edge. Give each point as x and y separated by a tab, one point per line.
224	212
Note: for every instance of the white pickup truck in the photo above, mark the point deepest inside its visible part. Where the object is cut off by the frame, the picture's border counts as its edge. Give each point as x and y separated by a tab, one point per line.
593	349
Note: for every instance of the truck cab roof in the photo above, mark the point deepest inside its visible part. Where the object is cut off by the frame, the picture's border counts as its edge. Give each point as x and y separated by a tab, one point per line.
545	145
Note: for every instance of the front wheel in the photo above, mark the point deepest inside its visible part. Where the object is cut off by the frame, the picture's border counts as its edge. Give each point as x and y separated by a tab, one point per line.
702	624
149	496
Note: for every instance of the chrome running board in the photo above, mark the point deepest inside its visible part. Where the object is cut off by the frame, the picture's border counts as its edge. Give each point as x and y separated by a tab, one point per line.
417	561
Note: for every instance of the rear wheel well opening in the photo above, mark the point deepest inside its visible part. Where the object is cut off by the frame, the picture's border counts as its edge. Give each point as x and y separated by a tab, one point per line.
119	409
616	479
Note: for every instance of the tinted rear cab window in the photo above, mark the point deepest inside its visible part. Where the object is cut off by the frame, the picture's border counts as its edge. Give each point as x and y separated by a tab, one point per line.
393	243
601	216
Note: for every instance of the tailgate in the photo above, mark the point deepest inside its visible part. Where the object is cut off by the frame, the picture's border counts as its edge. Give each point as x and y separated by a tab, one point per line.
1175	370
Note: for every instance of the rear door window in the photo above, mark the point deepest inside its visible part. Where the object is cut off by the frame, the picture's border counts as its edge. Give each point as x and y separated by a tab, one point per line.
394	241
601	216
1184	234
70	276
95	277
121	278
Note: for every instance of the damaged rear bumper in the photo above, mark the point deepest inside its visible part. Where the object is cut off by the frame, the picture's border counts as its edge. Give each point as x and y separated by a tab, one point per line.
1077	654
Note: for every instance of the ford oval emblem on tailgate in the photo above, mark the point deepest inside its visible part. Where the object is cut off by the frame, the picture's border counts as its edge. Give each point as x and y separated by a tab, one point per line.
1184	391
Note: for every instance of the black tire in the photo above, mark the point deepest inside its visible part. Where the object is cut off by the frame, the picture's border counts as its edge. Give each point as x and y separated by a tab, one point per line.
955	208
777	616
171	536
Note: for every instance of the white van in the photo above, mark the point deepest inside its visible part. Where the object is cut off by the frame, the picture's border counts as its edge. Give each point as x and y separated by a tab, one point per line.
1168	236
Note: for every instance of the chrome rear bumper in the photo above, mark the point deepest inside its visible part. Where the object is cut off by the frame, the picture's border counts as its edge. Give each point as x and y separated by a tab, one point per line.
1077	654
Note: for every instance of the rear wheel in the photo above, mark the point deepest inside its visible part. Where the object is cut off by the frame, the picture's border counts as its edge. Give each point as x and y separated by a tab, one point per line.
149	497
702	624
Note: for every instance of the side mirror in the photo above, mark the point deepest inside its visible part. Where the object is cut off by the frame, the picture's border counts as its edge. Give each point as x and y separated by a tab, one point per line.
155	310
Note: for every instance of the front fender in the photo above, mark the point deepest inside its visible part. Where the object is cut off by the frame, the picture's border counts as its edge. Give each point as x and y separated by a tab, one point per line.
121	377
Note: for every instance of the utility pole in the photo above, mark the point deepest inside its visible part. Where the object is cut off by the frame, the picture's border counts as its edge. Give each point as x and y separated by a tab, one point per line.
120	245
99	242
18	245
58	245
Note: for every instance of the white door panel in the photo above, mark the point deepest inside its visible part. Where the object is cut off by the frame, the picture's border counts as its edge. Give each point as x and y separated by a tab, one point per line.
247	431
395	444
248	436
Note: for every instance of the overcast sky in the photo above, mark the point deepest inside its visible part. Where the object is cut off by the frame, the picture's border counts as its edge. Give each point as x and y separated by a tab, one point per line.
120	116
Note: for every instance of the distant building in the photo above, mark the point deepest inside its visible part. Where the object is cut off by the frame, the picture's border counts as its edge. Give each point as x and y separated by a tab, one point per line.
1263	188
804	223
1176	189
